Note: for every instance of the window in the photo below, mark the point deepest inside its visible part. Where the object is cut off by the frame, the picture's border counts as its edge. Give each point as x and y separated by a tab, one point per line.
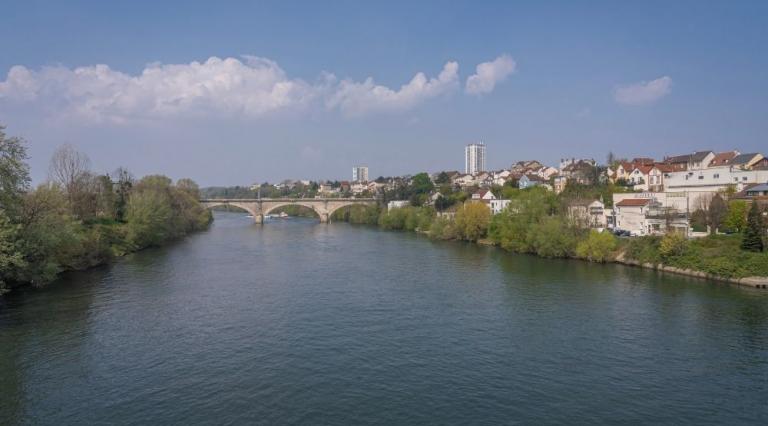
744	179
701	177
716	176
735	179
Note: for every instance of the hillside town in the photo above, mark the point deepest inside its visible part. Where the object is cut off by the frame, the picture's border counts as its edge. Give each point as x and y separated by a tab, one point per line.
633	197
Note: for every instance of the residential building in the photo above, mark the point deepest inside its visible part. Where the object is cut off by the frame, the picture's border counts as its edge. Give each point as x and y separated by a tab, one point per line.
528	181
559	183
654	213
396	204
588	213
696	161
360	174
714	179
474	158
497	206
484	195
760	190
579	171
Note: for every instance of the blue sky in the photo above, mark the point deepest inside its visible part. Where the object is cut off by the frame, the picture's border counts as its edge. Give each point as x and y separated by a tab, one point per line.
561	79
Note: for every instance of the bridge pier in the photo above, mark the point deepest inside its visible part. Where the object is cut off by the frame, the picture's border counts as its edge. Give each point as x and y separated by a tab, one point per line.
324	218
258	219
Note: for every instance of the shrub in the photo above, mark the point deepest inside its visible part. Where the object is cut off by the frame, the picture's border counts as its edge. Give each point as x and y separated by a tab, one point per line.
597	247
672	244
472	221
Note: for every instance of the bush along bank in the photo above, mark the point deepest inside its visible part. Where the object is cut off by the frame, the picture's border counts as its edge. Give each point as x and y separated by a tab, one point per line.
79	219
535	223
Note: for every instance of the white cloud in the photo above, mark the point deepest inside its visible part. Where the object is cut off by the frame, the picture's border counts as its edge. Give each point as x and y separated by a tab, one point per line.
249	87
354	98
252	87
643	93
488	74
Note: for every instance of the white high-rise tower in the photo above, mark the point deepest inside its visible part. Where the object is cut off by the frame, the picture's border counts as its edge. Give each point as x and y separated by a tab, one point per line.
360	174
474	158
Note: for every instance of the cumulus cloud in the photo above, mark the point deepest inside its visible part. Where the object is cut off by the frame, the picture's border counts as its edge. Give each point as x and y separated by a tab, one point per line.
643	93
249	86
488	74
252	87
354	98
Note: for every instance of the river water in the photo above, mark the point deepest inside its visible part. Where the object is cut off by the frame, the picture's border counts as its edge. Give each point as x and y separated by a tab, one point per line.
295	322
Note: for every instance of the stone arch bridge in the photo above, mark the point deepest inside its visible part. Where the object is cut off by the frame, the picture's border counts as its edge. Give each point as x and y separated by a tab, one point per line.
324	207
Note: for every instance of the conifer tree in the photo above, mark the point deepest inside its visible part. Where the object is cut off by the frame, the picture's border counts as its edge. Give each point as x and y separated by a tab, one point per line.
753	235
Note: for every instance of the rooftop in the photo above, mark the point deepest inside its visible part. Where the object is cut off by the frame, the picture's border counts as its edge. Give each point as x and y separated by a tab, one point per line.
633	202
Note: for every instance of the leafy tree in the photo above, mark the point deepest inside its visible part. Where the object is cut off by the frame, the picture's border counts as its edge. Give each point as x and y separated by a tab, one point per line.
597	247
11	258
472	220
421	183
123	187
736	219
716	213
443	178
14	173
552	237
754	233
699	220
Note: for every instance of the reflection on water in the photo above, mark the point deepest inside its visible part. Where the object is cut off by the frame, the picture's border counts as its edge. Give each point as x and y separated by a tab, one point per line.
295	322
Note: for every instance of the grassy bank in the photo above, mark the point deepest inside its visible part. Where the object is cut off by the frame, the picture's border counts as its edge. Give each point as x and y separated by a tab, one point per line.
537	227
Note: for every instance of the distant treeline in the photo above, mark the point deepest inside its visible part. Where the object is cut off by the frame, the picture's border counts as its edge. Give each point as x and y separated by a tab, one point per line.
78	219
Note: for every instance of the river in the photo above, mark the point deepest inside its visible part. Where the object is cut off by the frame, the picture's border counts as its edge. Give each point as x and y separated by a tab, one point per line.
295	322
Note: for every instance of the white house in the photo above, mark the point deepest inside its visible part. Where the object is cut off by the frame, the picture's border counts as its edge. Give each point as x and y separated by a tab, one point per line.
528	181
485	195
396	204
498	205
588	213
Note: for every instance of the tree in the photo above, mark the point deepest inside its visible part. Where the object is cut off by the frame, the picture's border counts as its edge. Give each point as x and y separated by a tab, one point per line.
753	235
123	187
672	244
597	247
716	213
189	186
736	219
14	173
472	220
443	178
71	169
11	258
421	183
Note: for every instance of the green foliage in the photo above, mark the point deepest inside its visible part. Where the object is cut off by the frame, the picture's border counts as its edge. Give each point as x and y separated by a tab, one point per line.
472	221
644	249
407	219
14	173
597	247
736	218
552	237
699	220
443	229
755	230
672	244
87	222
513	228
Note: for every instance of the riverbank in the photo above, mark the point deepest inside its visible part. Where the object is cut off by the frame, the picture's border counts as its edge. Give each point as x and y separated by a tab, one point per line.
718	258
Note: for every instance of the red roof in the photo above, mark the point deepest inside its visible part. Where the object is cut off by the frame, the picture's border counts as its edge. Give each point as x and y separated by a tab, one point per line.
723	158
633	202
644	169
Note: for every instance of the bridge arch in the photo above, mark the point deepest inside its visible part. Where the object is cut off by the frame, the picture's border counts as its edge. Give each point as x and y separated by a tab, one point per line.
268	209
245	206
